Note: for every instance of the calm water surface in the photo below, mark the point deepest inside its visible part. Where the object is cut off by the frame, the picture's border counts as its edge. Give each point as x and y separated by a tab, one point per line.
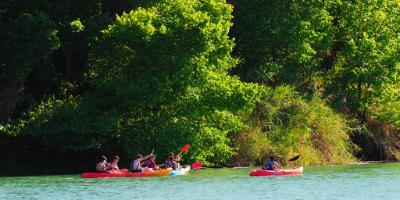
368	181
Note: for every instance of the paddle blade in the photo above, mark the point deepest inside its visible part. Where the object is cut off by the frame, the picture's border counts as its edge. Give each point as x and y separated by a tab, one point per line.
197	165
185	148
294	158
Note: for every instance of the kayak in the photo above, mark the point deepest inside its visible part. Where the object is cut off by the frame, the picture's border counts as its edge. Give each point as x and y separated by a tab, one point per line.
281	172
148	172
122	173
125	173
182	171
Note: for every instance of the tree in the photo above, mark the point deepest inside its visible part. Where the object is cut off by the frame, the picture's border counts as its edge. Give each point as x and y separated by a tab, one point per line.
282	42
26	44
158	79
165	69
367	65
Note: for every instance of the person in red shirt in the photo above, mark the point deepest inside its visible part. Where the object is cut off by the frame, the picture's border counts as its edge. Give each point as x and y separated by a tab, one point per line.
151	163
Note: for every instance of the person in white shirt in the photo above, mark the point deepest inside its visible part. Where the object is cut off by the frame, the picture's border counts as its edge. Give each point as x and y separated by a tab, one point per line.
114	164
103	165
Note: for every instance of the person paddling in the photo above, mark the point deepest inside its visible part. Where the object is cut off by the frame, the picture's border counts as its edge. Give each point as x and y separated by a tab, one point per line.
170	162
103	165
177	160
272	164
136	164
151	164
114	164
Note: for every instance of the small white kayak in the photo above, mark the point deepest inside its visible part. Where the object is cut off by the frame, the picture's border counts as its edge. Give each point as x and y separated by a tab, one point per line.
182	171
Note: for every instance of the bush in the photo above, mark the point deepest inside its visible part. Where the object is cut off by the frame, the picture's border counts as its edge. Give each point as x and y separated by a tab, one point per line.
292	125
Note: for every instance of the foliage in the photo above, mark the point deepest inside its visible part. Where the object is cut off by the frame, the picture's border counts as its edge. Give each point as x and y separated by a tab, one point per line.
368	63
389	113
159	80
26	42
168	72
77	26
102	76
294	126
282	41
252	146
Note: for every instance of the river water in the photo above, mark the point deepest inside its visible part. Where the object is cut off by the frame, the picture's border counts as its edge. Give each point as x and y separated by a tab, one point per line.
366	181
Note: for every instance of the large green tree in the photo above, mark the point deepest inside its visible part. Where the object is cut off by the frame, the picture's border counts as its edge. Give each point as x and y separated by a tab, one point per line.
165	69
158	79
367	65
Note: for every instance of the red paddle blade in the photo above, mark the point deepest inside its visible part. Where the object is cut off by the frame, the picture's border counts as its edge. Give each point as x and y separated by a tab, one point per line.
197	165
185	148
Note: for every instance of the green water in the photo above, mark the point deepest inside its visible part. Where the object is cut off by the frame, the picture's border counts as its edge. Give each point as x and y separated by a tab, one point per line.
369	181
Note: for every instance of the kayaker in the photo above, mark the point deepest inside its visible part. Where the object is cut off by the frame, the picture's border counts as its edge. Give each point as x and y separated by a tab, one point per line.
114	164
103	165
170	162
136	165
151	164
272	164
177	161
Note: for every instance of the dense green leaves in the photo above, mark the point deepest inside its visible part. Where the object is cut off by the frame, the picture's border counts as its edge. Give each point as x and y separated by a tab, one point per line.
27	42
289	125
129	76
166	68
282	41
367	65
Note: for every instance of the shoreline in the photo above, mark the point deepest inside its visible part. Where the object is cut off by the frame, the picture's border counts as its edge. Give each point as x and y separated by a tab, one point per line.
73	172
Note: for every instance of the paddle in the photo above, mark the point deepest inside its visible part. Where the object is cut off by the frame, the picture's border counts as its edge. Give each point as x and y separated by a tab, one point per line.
294	158
197	165
148	156
185	148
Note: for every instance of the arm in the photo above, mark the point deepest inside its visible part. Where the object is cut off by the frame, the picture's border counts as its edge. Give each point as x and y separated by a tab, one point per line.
277	165
107	166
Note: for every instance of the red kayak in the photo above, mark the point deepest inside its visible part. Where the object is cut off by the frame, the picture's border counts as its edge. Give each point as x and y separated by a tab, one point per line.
125	173
281	172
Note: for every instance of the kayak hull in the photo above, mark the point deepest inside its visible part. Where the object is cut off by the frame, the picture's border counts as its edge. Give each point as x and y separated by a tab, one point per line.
282	172
126	174
182	171
147	173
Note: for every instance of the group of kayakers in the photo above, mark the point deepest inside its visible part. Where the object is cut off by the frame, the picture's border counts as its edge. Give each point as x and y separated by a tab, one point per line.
139	163
104	166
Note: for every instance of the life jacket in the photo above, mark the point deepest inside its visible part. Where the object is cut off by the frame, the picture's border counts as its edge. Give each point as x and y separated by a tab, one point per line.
135	165
150	164
170	164
270	165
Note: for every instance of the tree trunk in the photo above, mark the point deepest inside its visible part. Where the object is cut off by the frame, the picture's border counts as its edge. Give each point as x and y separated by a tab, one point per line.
68	62
9	97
